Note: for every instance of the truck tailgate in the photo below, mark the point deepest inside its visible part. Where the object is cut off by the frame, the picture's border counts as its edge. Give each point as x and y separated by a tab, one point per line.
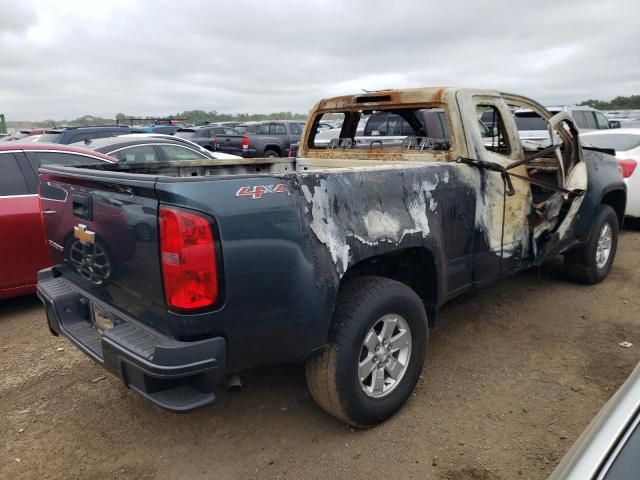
103	232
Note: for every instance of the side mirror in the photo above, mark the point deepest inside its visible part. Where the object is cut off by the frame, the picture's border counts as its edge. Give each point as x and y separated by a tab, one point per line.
614	123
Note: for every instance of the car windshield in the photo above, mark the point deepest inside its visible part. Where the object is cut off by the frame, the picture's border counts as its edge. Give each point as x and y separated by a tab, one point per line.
530	121
617	141
50	137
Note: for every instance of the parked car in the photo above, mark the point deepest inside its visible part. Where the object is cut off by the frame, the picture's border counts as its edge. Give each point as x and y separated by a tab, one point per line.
68	135
216	139
23	249
184	141
273	138
609	448
340	257
138	148
531	126
626	144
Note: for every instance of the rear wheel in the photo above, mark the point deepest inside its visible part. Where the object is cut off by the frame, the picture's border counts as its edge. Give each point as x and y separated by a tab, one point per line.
271	154
375	354
590	263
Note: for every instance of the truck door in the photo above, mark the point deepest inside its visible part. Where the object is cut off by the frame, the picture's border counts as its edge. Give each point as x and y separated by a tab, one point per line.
502	237
558	178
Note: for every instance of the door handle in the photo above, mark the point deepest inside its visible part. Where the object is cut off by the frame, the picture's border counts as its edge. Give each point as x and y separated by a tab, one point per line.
49	212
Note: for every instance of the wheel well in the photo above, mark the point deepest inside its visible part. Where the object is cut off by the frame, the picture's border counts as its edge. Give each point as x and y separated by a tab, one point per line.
616	199
415	267
275	148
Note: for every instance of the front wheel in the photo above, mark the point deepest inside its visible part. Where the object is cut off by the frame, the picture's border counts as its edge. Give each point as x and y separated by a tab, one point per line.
375	354
590	263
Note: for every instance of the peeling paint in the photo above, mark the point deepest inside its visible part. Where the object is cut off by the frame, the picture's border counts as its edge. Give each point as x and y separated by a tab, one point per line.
325	228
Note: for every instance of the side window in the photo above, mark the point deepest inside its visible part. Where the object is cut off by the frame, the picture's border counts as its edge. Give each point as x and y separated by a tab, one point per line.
295	128
176	152
279	129
218	131
231	131
376	125
580	118
601	120
140	154
407	129
12	181
591	120
60	158
264	129
499	140
203	133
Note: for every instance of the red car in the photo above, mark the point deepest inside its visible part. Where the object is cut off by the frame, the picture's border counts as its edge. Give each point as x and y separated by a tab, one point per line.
23	250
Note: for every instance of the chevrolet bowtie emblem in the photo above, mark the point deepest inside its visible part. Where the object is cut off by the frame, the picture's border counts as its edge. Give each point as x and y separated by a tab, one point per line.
85	236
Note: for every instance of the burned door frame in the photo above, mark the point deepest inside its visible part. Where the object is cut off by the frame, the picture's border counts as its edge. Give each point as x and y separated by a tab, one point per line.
502	239
556	229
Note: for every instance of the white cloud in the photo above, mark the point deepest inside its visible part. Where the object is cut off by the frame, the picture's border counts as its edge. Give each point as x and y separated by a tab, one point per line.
67	58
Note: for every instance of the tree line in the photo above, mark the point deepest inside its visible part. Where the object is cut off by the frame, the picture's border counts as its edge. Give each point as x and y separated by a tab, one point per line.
631	102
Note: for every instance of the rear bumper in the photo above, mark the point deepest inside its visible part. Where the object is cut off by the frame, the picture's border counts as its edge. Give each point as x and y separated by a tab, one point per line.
177	376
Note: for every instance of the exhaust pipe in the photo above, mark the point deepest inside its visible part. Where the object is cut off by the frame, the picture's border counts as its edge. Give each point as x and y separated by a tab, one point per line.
232	382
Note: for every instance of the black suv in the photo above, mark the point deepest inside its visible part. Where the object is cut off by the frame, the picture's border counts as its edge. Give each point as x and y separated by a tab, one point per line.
68	135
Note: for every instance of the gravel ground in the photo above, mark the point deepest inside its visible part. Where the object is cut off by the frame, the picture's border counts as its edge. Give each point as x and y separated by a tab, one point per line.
514	373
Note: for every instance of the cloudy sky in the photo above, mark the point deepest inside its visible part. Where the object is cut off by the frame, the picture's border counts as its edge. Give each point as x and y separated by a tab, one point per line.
66	58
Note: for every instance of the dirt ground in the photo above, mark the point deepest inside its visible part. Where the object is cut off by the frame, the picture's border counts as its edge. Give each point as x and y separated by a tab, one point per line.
514	373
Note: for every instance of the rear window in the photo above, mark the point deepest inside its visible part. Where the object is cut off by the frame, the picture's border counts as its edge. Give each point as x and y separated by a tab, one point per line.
185	133
618	141
530	121
416	129
52	137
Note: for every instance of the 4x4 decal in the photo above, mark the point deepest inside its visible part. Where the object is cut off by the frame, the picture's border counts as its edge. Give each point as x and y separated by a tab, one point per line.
257	191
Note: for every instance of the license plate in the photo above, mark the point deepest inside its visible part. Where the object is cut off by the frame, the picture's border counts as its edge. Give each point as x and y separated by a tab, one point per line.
102	320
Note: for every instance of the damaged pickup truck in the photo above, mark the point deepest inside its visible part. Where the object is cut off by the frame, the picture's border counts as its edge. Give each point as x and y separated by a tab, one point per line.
340	257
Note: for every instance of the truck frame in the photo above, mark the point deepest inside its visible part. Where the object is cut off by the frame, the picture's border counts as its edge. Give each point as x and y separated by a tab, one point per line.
340	257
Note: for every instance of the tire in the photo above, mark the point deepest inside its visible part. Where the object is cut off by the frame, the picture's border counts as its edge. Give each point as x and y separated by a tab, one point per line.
271	154
583	264
333	377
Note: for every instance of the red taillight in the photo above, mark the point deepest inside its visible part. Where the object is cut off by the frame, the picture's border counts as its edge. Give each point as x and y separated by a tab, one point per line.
188	260
627	166
245	143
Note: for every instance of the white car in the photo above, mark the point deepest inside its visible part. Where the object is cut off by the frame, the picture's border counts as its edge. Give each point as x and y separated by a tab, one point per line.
626	143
